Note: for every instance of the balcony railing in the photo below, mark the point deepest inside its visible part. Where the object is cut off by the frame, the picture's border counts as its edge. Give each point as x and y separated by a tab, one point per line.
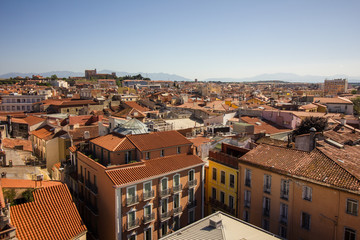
177	210
284	195
81	178
283	219
192	204
148	195
193	183
132	200
221	206
165	192
133	224
177	188
267	189
248	182
165	215
91	186
266	212
148	218
247	203
92	208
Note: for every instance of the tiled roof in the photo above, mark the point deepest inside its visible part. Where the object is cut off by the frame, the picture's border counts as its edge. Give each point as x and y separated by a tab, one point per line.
136	106
313	165
18	120
24	183
261	126
13	142
158	140
43	133
152	167
113	142
334	100
32	120
52	215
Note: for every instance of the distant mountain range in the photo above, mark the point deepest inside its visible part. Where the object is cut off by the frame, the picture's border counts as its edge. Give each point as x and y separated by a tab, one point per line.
287	77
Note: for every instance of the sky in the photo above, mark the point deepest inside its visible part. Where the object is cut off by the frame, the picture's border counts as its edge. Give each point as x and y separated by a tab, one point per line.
192	38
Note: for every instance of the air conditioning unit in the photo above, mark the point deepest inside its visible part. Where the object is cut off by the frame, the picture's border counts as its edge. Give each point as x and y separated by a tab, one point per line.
39	177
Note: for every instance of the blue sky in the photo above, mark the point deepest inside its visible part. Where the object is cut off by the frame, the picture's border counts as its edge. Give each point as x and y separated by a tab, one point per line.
195	38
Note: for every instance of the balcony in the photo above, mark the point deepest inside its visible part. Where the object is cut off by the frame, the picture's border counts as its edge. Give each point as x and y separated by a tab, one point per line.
81	178
266	212
177	188
91	186
248	182
165	192
192	204
165	215
267	189
148	218
148	195
247	203
283	219
132	200
192	183
177	210
284	195
133	224
222	206
92	208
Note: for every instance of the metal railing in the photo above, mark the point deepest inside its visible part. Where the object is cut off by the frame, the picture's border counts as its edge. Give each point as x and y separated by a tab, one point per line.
133	224
91	186
177	210
284	195
266	212
132	200
193	183
148	195
177	188
192	204
165	192
165	215
92	208
283	219
148	218
247	203
81	178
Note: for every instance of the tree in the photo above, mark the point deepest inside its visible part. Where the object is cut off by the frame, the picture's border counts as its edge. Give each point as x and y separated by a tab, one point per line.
319	123
54	77
356	103
10	195
28	195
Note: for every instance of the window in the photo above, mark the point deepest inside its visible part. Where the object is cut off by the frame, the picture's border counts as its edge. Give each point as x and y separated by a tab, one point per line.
147	190
131	195
131	218
176	180
178	150
176	200
127	157
352	207
283	213
222	197
222	177
191	216
284	189
147	234
283	231
132	237
147	155
164	205
231	202
349	234
265	224
305	220
214	174
176	223
213	193
191	175
247	177
164	227
266	206
267	183
147	211
162	153
247	198
191	195
246	216
232	181
164	184
307	193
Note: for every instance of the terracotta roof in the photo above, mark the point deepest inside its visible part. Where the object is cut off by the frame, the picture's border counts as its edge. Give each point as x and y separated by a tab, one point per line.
313	165
43	133
52	215
198	141
32	120
261	126
25	183
72	149
136	106
18	120
13	142
308	106
158	140
153	167
334	100
113	142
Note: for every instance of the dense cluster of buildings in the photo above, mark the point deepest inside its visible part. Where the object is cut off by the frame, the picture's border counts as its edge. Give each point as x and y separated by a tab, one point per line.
89	159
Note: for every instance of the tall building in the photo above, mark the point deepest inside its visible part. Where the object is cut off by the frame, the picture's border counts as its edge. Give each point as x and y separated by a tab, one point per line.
335	87
20	103
137	186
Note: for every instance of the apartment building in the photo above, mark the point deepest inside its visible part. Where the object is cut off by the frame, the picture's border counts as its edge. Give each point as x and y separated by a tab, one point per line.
335	87
299	195
20	103
138	186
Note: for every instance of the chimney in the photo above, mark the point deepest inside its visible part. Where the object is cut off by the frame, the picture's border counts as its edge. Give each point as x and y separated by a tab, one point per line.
312	140
215	222
342	121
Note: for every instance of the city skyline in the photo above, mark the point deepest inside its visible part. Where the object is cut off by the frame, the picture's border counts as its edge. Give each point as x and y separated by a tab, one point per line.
191	39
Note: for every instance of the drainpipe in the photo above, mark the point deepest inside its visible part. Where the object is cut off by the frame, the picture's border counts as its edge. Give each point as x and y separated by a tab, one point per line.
202	191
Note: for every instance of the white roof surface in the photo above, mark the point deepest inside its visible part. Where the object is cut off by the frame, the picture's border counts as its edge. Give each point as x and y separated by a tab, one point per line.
230	228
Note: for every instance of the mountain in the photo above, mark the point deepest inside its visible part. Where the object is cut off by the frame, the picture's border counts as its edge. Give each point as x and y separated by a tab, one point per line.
62	74
288	77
